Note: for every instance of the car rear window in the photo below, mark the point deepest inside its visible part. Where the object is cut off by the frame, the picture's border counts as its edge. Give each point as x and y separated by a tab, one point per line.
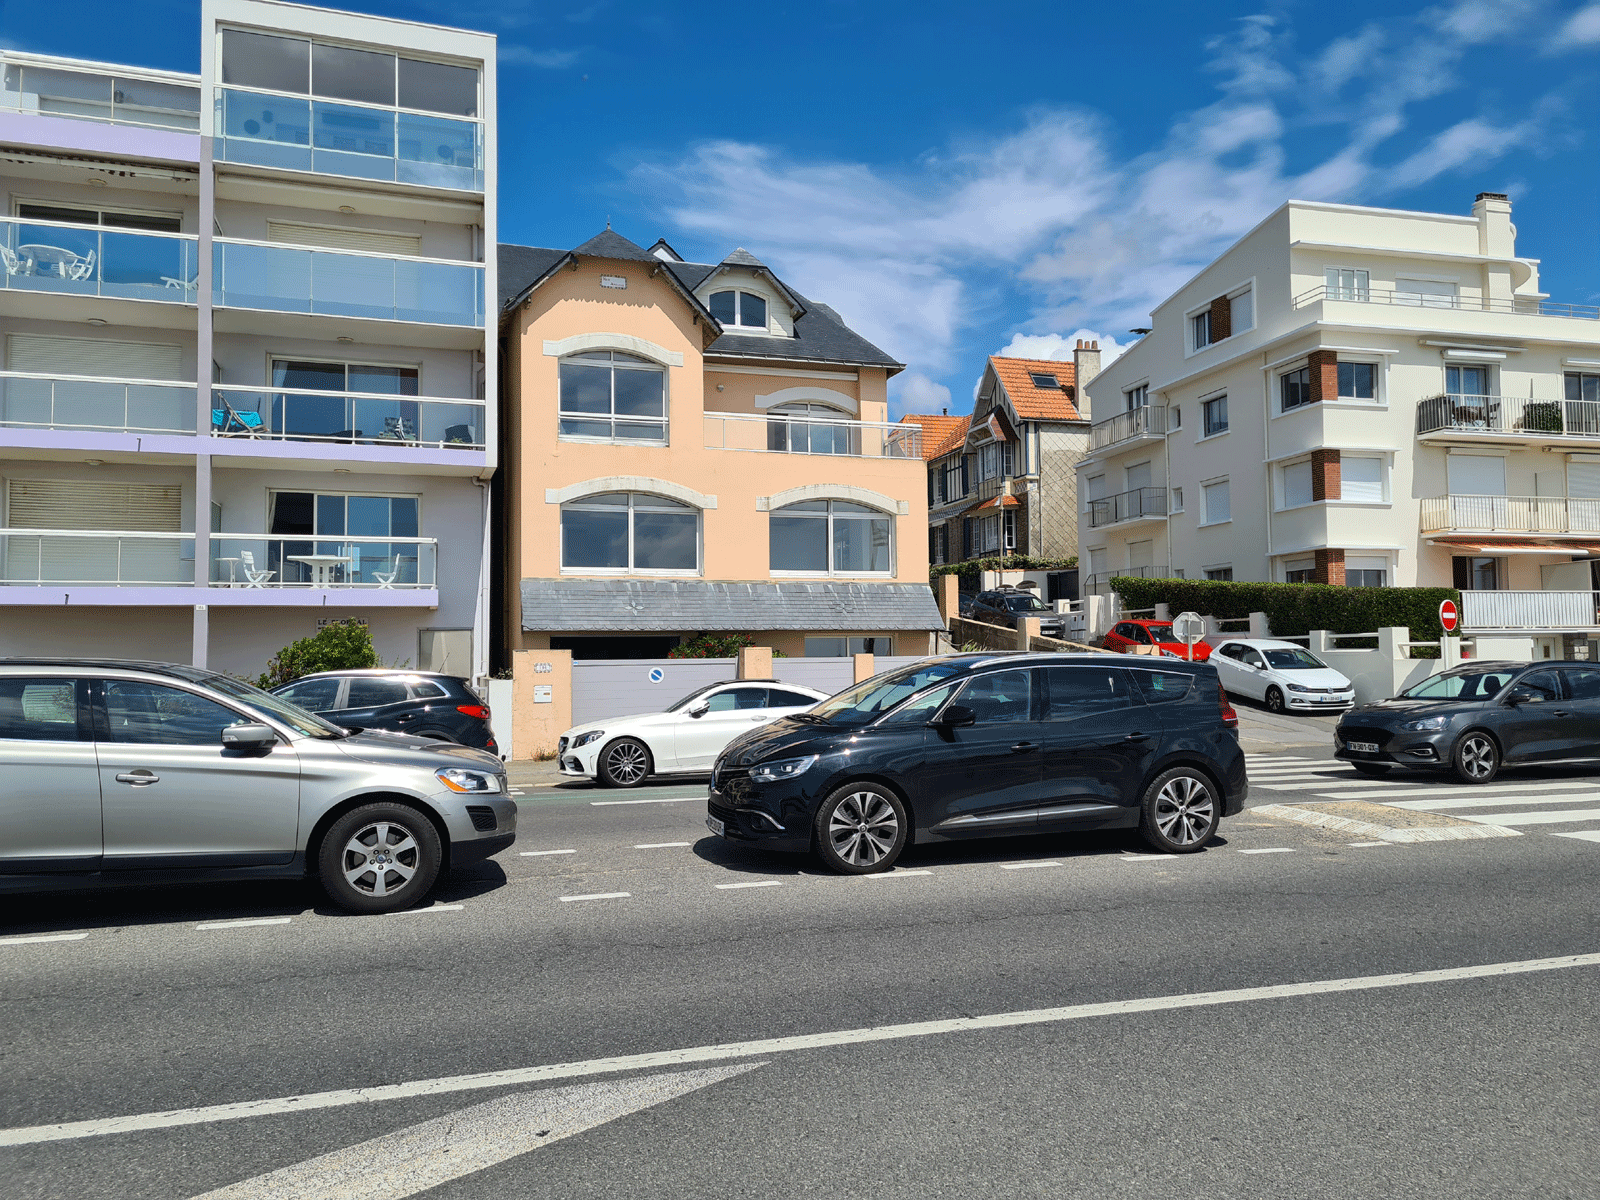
778	698
1163	687
39	710
373	693
313	695
426	690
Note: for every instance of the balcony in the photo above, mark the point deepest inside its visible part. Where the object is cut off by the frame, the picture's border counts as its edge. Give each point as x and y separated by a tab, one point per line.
1136	505
96	404
1147	421
1518	305
341	283
79	92
1100	583
1528	515
781	434
92	260
92	558
348	418
254	561
1518	417
297	133
1543	611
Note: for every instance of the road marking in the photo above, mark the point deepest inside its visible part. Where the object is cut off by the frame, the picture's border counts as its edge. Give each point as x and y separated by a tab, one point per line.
727	887
659	845
599	896
515	791
1144	857
1426	833
542	853
1374	843
896	874
1270	850
670	800
432	908
1586	835
1498	800
1534	818
1418	790
1026	866
307	1102
43	937
424	1156
243	924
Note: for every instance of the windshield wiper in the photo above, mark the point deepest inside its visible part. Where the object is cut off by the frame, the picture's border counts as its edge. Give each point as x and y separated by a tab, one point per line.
812	717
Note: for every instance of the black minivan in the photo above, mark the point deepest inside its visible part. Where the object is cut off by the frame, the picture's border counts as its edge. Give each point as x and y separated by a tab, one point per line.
988	745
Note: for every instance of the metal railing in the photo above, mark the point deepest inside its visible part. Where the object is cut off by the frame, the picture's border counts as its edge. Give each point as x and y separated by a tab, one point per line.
97	260
365	418
1128	506
1528	610
95	558
52	87
1150	420
1509	414
811	435
1520	305
1100	582
1510	514
368	142
258	560
347	283
33	400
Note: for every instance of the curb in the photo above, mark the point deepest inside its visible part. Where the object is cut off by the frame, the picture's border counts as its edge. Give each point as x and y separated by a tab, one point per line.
1434	833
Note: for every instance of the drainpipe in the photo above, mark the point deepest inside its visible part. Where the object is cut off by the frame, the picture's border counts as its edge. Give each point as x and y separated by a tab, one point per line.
480	616
1266	454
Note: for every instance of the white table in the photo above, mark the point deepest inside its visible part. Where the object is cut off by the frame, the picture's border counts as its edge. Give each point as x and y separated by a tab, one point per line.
233	569
49	256
321	565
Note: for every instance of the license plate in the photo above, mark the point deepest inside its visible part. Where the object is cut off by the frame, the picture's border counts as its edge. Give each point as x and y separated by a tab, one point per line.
1363	747
715	826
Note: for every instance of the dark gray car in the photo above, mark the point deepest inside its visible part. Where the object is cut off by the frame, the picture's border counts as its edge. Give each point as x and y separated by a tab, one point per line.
117	773
1007	605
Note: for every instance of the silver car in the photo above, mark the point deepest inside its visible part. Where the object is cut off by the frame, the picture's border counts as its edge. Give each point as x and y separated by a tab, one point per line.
118	773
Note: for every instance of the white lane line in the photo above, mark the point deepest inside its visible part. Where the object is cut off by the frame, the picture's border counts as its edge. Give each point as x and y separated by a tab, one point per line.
1586	835
1144	857
307	1102
728	887
1534	818
896	874
1374	843
432	908
1418	791
43	937
542	853
660	845
599	896
670	800
243	924
1270	850
1498	800
1026	866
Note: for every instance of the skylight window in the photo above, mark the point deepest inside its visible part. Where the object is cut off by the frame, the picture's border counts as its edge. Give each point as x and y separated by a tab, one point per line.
1045	381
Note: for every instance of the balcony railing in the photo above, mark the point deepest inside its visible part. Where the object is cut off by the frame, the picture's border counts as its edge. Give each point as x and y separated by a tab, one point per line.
1510	514
93	260
254	560
351	418
301	134
811	435
29	400
1101	581
1128	506
65	88
1528	610
1509	415
1520	305
346	283
1150	420
94	558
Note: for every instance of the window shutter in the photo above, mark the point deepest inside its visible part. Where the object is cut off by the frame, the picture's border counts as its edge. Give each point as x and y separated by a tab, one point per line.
1362	479
1476	475
966	468
327	237
92	356
84	504
932	487
1297	485
1583	479
966	537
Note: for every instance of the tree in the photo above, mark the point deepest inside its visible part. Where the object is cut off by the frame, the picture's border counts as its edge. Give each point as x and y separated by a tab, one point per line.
337	646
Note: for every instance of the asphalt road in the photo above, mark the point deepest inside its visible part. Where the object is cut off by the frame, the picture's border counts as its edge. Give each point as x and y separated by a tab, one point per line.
1461	1083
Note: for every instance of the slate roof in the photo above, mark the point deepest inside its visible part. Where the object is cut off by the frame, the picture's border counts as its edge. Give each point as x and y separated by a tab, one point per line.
521	265
936	429
1038	403
743	258
671	605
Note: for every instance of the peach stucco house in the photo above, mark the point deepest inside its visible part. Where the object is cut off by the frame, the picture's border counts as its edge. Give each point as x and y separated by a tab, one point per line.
698	448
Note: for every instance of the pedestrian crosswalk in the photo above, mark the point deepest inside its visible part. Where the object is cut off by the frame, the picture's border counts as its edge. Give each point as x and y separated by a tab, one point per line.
1510	803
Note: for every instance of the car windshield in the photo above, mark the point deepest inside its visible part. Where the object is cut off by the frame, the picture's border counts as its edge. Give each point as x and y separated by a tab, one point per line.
1161	633
1464	683
1026	604
296	718
695	695
877	695
1294	659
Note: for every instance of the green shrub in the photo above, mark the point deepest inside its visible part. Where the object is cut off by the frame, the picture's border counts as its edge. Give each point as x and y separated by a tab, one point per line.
1294	609
970	571
337	646
716	645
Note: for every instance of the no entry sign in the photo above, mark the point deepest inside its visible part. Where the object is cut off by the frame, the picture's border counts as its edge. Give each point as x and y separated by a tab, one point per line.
1448	615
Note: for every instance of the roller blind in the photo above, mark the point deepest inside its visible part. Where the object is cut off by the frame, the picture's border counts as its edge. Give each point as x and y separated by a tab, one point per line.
1477	475
93	356
1297	485
1583	480
375	241
86	504
1361	479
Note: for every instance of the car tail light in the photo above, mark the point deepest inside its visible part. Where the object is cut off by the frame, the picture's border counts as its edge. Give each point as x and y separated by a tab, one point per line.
1229	717
474	710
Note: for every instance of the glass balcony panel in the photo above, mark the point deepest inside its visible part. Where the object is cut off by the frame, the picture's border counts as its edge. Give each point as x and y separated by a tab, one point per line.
94	261
35	401
136	266
114	559
69	93
341	417
440	293
269	131
289	279
353	141
350	285
161	105
301	561
271	277
438	152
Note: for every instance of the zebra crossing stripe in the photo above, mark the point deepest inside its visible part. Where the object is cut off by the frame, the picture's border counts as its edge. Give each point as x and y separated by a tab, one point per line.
1499	799
1534	818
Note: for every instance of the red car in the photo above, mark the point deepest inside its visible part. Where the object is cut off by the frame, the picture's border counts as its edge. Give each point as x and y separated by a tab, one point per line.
1126	635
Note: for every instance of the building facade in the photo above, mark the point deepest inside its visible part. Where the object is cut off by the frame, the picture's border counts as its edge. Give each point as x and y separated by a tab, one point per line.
697	448
247	381
1354	396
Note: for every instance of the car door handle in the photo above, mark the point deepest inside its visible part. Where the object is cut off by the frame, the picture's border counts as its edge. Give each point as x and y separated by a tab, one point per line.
1560	712
1137	737
1024	747
139	778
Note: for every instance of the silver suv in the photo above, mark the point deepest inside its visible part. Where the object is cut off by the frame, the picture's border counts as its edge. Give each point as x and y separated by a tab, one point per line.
117	773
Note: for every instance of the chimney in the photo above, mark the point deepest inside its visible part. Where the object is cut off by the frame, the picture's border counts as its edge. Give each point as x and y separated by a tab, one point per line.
1497	236
1086	365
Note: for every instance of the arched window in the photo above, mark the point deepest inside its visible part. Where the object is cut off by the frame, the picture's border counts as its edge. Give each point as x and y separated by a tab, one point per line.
630	532
743	310
611	396
811	429
831	537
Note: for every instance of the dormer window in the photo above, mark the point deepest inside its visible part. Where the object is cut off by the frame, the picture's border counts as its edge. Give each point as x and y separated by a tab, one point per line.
1045	381
742	310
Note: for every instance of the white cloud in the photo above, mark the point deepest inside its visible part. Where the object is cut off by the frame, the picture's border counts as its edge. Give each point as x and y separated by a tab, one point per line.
512	54
1583	29
1058	347
916	393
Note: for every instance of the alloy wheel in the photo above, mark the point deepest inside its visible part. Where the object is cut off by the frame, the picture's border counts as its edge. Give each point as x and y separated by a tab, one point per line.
1477	756
380	859
863	829
1184	810
627	763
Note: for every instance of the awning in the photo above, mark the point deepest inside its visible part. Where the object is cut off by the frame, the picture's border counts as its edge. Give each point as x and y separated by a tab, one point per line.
1529	547
1001	501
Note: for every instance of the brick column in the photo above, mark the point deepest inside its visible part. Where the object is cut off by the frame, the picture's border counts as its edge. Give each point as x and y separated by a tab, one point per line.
1326	483
1330	567
1324	370
755	662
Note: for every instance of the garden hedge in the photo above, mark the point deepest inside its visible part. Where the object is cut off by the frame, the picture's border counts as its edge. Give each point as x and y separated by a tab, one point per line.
1296	608
970	571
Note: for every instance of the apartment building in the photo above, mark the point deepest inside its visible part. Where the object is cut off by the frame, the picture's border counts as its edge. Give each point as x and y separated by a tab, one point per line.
698	448
1003	480
1355	396
247	384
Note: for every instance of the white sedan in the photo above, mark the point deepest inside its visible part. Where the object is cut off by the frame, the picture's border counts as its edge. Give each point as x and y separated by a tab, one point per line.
1283	676
684	740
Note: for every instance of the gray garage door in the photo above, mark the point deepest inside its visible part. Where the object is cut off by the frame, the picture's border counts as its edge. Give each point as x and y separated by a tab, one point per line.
607	688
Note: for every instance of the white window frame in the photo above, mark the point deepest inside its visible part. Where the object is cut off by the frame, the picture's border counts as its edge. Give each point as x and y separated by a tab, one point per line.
644	364
619	572
1225	430
829	518
1228	567
1175	503
1205	501
739	293
1360	290
1192	345
1137	396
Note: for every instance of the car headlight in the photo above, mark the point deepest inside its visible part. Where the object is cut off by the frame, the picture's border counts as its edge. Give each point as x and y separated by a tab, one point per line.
458	780
583	739
782	768
1298	687
1422	723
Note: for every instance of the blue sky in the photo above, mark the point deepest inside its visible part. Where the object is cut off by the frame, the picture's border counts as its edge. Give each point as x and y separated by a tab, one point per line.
961	179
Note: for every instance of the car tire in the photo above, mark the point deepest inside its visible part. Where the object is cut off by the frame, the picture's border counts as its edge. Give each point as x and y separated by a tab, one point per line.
1475	758
410	866
1374	770
624	763
1274	700
1180	811
860	829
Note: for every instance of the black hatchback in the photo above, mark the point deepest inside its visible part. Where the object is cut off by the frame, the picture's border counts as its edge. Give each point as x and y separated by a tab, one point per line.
988	746
441	708
1478	717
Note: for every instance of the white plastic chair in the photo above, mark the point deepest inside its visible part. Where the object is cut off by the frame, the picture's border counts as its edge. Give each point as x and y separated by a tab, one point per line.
13	264
252	577
82	269
386	578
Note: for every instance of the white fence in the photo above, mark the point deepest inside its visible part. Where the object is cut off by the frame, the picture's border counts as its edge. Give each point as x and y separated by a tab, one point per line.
1529	610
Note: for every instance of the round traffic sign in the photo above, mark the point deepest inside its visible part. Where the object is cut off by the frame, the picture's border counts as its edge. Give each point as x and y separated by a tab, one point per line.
657	675
1448	615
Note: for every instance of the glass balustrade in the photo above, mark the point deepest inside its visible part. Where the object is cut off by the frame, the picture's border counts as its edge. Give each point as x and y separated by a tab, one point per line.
93	557
298	414
91	260
29	400
105	98
244	560
336	283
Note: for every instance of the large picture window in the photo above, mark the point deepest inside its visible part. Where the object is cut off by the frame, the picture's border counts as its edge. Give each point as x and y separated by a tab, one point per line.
344	536
612	396
807	429
831	537
630	531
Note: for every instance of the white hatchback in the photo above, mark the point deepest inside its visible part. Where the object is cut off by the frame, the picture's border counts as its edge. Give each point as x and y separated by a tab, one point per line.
1283	676
684	740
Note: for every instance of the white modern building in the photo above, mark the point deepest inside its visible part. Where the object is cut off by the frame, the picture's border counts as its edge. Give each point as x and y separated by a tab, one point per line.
249	373
1356	396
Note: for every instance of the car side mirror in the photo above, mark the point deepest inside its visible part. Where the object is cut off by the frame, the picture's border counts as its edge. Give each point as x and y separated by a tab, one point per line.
1522	696
249	735
957	715
700	710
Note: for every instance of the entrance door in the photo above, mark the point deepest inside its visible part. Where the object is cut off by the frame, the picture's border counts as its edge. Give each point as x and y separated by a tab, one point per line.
50	794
